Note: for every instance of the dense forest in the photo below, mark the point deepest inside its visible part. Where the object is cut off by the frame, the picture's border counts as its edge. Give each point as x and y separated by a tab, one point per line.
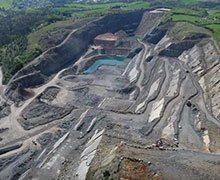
14	28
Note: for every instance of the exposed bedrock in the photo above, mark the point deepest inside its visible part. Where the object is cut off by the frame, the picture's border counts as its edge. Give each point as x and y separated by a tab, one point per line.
49	94
72	48
41	113
4	109
22	161
134	52
157	34
150	20
150	116
10	148
203	61
131	162
176	49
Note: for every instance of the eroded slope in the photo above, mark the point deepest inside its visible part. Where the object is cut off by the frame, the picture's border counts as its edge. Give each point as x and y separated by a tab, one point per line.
154	116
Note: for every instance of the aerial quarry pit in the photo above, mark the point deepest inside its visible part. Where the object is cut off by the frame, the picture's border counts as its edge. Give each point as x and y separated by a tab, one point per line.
119	98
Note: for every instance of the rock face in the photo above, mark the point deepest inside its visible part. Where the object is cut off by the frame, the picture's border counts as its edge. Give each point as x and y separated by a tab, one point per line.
107	40
71	49
203	60
150	20
176	49
154	116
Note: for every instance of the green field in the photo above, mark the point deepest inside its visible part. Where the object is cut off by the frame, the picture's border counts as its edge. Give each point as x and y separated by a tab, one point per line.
187	18
200	17
189	1
5	3
84	10
186	29
216	31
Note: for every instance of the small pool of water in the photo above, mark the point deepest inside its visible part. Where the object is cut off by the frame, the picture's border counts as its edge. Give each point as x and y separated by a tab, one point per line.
104	61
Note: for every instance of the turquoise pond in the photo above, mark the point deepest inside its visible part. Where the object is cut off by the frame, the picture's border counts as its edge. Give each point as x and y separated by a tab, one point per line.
104	61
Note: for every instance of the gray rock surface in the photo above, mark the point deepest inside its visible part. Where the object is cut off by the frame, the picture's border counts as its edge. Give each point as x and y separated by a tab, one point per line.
155	115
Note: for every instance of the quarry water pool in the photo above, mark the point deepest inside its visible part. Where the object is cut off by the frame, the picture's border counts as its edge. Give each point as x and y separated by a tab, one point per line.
112	61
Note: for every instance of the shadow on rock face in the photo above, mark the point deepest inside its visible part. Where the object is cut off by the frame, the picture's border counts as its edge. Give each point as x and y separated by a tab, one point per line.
22	94
26	94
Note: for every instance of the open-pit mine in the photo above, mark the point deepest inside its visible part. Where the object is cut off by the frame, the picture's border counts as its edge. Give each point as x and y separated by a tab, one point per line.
120	98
